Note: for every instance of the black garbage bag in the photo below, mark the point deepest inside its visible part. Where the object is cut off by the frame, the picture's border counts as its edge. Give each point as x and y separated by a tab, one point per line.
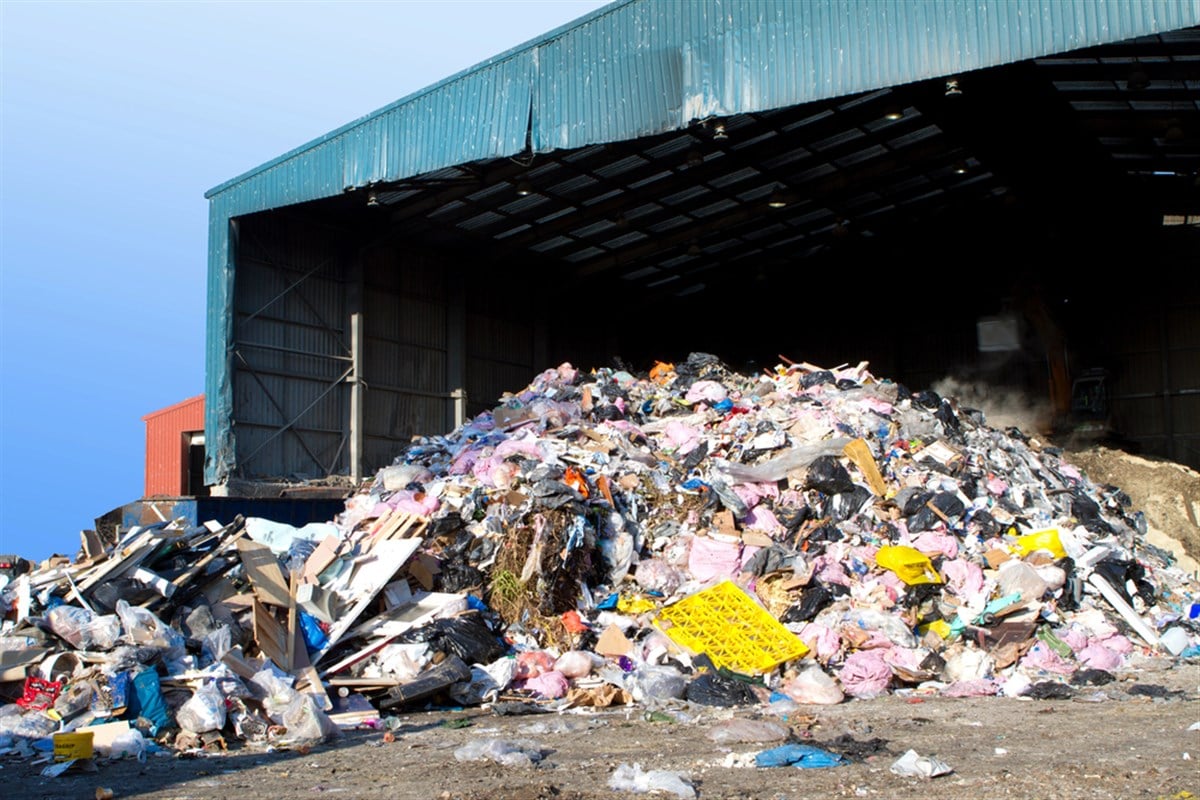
1087	511
815	598
910	500
1118	573
926	518
714	689
693	459
927	399
986	524
847	504
1050	690
1092	677
811	379
457	576
792	518
827	475
467	636
945	413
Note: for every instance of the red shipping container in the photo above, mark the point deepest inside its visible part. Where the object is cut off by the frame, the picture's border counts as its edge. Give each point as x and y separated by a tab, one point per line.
175	449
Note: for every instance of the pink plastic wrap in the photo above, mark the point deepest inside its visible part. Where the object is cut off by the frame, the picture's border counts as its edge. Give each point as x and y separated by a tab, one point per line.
532	663
1097	656
706	391
964	578
710	558
865	674
683	437
823	641
934	544
552	685
1043	658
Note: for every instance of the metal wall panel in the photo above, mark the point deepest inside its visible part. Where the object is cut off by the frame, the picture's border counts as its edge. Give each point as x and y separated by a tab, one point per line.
166	449
289	350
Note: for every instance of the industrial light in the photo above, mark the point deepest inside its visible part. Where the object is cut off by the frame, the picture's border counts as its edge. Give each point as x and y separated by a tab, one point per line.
893	113
719	133
960	168
777	199
1137	80
952	89
694	158
372	200
524	189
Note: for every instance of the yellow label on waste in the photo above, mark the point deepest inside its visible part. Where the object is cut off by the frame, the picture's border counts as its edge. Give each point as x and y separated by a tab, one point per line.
938	626
635	605
910	565
1042	540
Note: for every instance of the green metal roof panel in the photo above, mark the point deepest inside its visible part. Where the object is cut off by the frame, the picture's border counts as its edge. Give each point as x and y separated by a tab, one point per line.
641	67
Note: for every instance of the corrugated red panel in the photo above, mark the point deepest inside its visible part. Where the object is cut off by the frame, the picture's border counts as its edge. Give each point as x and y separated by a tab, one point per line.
167	446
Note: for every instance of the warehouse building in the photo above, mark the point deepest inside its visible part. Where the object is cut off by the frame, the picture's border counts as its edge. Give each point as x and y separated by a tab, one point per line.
1003	192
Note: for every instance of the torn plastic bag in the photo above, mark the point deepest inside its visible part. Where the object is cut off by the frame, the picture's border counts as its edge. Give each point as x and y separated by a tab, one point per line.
631	778
813	686
815	598
466	636
738	731
781	465
306	722
204	712
1118	573
70	624
801	756
714	689
827	475
144	628
926	518
845	505
1087	511
505	752
147	701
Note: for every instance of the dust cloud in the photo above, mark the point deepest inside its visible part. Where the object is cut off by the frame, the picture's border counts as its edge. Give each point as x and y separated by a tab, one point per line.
1003	406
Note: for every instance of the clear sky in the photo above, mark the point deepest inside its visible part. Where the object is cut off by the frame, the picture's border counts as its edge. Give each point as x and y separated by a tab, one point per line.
115	118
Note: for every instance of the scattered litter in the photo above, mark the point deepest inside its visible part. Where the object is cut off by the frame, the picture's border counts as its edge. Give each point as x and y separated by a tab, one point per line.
506	752
739	731
601	539
801	756
912	765
629	778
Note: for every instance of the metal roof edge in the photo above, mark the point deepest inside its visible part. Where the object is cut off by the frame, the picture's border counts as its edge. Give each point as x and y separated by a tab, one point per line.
174	407
496	59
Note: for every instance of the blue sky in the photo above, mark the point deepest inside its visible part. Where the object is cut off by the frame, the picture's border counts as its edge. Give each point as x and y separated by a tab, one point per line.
115	118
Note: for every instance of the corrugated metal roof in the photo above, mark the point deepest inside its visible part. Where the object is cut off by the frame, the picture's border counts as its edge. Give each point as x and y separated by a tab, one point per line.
642	67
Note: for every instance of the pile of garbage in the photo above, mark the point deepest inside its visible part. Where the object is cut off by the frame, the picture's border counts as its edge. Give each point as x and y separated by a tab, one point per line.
599	539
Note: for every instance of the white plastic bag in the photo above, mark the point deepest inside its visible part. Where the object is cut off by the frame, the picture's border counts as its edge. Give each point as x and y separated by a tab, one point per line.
632	779
204	712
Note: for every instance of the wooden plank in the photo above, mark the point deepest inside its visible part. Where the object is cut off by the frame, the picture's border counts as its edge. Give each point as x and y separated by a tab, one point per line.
270	635
320	559
367	580
291	622
221	549
263	570
307	679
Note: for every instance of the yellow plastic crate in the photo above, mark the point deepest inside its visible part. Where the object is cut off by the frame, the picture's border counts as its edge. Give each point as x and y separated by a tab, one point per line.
733	630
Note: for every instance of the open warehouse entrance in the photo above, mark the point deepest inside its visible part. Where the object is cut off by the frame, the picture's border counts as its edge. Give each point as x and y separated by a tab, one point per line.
1030	226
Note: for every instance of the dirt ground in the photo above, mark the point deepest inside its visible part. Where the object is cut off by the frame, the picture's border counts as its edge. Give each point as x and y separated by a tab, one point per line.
1166	492
1108	742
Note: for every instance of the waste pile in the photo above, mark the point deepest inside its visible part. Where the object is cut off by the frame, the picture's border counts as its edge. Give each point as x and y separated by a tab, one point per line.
599	539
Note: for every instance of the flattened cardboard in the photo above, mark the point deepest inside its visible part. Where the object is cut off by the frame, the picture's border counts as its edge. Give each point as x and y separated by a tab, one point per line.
613	643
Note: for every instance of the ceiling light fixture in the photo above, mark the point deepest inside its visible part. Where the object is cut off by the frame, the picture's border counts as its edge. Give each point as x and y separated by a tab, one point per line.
960	168
952	88
372	199
777	199
893	113
524	189
694	158
719	134
1137	80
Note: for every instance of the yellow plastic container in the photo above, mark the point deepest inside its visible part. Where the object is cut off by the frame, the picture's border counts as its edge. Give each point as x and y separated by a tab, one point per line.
1042	540
910	565
72	745
733	630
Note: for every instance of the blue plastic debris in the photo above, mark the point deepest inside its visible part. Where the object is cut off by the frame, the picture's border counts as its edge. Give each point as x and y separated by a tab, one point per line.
801	756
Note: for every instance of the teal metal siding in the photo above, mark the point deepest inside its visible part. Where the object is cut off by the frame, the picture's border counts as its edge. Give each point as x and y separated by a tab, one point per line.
640	67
